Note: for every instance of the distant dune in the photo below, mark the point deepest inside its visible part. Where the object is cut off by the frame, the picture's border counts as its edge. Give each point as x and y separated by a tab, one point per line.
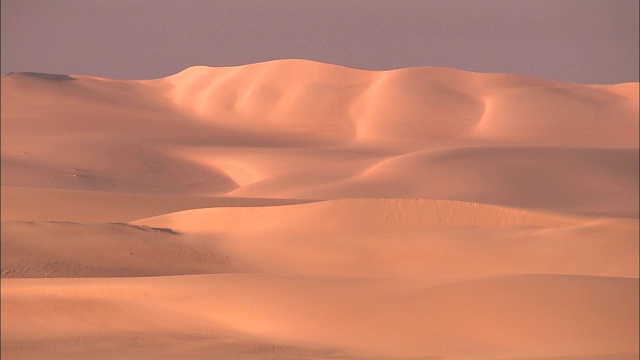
295	209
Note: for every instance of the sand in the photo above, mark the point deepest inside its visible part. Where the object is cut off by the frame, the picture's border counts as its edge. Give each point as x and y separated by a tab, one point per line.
300	210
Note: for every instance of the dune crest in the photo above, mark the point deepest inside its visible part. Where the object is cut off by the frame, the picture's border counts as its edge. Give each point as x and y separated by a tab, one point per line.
414	103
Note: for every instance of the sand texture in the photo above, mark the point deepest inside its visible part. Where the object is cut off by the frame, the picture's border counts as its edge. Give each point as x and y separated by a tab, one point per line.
300	210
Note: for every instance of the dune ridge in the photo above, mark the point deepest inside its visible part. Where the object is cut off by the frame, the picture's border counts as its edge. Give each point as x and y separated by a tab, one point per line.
406	104
193	134
297	209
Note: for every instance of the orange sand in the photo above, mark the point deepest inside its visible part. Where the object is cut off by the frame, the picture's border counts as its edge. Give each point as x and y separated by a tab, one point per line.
300	210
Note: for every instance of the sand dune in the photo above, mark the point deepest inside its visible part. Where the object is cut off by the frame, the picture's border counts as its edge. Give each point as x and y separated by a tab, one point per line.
310	130
294	209
505	317
411	238
406	105
338	238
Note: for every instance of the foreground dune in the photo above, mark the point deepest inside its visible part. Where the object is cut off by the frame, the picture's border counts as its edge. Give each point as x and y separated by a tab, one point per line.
505	318
293	209
381	238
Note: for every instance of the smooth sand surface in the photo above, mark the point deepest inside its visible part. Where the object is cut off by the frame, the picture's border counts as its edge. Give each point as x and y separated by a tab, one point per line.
301	210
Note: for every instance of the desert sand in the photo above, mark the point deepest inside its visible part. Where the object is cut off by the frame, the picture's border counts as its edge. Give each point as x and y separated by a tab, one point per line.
299	210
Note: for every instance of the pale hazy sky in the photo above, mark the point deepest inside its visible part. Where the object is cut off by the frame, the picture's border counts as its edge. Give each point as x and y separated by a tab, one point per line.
585	41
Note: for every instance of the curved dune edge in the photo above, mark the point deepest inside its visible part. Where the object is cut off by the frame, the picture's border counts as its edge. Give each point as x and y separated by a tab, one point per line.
35	204
402	237
580	180
361	213
343	238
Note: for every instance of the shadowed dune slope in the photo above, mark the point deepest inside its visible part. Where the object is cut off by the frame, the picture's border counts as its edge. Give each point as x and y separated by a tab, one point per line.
584	180
564	179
